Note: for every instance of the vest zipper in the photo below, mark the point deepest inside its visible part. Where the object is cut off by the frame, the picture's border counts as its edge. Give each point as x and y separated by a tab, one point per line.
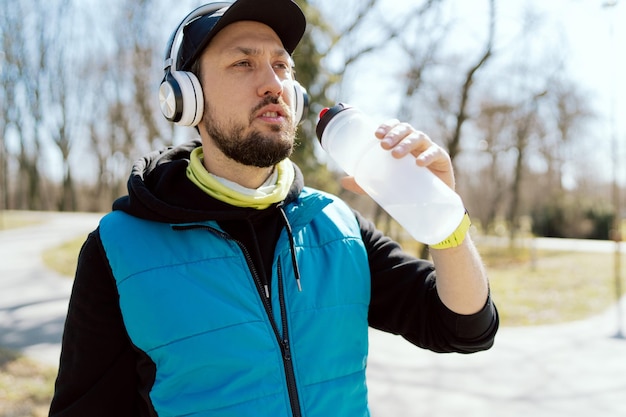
286	348
262	289
284	343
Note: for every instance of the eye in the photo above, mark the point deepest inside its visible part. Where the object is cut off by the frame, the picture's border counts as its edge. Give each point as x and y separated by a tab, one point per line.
282	66
243	63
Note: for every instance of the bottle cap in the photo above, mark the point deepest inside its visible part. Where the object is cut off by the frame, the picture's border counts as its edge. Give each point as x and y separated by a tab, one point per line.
326	115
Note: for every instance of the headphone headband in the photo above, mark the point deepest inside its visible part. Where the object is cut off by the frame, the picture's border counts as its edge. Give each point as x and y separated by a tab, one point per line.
173	45
180	93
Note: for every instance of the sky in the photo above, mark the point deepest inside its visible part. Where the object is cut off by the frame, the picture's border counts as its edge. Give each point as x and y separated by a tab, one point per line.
596	37
591	34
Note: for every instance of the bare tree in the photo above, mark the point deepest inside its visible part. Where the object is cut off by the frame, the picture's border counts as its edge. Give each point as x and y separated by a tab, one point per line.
102	90
454	141
341	41
33	85
7	94
126	77
60	85
527	124
569	109
490	186
25	58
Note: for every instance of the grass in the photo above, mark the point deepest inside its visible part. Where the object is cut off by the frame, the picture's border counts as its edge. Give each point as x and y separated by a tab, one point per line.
550	287
25	386
10	219
62	258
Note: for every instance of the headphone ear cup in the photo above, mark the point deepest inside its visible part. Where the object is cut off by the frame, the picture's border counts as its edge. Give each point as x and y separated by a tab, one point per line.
301	98
170	98
181	98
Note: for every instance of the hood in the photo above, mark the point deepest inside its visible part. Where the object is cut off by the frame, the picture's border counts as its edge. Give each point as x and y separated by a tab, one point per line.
159	190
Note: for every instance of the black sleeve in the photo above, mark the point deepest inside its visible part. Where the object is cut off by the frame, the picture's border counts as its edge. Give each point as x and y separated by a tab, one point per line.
98	367
405	301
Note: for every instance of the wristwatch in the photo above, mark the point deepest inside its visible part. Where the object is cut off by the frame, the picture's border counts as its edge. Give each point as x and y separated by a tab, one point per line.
457	237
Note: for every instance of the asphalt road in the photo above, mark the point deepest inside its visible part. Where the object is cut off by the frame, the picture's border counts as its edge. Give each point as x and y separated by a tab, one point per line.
575	369
33	299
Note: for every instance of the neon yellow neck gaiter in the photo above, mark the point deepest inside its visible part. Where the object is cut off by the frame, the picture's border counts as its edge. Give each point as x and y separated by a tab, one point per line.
273	191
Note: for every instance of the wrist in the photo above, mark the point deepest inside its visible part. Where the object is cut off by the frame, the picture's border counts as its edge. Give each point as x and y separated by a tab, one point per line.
457	237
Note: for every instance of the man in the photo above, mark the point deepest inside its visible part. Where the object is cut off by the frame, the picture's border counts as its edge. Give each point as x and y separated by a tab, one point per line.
221	286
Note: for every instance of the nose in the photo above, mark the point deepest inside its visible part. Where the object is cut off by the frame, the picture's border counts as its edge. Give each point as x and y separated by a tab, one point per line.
270	83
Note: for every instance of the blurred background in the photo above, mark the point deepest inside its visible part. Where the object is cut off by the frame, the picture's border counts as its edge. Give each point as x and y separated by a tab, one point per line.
527	97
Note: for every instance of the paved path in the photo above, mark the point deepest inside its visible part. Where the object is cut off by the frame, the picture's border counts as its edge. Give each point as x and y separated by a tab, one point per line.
576	369
572	370
33	299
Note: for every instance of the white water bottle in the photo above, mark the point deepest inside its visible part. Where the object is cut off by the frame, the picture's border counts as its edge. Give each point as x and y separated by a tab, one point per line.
423	204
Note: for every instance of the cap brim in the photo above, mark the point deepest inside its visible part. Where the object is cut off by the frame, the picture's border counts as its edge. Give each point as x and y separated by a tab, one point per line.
284	16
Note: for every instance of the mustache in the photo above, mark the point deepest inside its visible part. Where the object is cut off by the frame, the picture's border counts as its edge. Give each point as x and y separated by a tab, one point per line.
273	100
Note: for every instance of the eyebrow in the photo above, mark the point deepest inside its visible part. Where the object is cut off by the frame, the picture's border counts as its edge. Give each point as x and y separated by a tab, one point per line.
257	51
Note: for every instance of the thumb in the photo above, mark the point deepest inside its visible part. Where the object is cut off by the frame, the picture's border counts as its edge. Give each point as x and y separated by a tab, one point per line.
350	184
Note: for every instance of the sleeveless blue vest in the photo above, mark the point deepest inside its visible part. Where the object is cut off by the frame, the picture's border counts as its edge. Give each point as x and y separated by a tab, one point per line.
189	301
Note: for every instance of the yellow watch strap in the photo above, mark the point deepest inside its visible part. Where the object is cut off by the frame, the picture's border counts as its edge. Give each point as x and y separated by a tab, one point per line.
457	237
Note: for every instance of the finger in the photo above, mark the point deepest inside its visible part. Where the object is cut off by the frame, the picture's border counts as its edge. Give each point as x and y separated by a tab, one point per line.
409	141
402	139
430	156
437	160
394	134
386	127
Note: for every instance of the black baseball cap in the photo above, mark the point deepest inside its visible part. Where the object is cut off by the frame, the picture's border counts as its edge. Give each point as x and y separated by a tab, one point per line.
284	16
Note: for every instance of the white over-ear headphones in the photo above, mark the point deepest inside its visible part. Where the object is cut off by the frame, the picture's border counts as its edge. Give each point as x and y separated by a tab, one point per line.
180	93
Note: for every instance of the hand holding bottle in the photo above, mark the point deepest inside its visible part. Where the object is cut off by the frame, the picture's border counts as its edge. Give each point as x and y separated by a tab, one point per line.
402	139
399	167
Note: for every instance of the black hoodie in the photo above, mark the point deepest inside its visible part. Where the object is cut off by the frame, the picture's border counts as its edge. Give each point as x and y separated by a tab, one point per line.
101	373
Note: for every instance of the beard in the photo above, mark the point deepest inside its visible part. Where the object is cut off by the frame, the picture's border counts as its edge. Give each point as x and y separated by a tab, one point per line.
255	148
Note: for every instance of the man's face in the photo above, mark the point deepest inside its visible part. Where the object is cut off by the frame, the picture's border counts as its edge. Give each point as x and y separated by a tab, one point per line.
247	82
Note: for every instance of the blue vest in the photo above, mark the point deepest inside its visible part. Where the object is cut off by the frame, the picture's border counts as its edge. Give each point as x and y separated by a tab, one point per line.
189	301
